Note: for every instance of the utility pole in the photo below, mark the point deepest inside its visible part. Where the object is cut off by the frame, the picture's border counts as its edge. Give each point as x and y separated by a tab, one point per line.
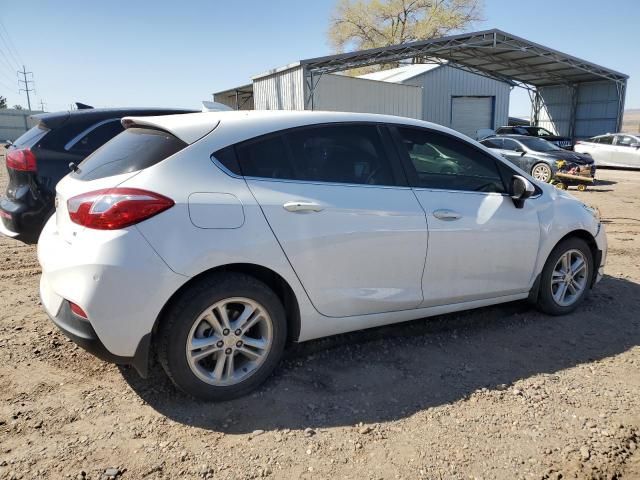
42	105
26	81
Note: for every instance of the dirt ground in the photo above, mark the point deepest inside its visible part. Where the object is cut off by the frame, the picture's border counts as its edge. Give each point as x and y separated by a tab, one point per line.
497	393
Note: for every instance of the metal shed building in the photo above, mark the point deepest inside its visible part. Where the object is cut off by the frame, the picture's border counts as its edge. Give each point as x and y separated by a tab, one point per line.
454	97
286	89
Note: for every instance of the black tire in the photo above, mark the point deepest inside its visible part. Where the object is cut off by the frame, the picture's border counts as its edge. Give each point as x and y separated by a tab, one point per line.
181	315
546	303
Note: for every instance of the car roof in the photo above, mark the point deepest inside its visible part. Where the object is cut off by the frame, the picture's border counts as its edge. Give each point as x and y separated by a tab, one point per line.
251	123
57	119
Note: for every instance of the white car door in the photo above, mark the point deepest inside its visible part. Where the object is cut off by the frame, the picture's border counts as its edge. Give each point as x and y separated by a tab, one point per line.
355	237
480	244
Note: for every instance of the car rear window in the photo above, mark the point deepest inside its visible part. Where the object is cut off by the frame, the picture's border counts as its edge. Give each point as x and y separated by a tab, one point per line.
134	149
31	136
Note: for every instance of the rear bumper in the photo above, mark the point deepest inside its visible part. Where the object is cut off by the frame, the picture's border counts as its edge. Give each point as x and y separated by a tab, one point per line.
116	278
82	333
21	221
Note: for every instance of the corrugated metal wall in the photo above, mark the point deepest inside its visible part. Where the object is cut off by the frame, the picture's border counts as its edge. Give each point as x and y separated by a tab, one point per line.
14	123
343	93
229	99
596	109
280	91
441	84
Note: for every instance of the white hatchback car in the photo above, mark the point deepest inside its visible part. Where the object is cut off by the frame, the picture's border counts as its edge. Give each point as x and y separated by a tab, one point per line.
209	240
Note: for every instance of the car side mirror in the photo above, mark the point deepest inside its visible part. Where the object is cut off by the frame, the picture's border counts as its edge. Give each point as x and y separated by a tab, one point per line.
520	151
521	189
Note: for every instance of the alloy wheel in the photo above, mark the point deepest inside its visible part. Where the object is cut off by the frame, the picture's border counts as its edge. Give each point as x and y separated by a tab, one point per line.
541	172
229	341
569	278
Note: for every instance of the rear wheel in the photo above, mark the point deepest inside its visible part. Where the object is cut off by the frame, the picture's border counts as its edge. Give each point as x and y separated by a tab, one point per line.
566	277
541	171
223	337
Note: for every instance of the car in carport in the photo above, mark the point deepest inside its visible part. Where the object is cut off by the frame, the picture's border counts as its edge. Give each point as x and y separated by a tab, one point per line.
538	132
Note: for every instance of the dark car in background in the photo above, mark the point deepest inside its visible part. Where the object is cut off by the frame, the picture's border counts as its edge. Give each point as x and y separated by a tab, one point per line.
540	158
538	132
39	159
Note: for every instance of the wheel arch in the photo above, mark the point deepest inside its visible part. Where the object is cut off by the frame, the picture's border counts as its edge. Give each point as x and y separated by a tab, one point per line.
595	253
269	277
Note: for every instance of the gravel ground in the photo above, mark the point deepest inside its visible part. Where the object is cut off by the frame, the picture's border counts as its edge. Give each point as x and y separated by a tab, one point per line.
497	393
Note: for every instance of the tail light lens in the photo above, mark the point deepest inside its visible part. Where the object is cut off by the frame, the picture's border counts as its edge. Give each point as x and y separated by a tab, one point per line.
115	208
21	159
77	310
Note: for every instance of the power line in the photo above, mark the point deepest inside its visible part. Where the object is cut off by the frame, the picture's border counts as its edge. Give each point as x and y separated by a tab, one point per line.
10	45
8	62
26	83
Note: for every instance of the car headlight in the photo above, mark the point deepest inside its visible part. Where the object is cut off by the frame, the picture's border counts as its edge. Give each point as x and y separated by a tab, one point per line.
593	211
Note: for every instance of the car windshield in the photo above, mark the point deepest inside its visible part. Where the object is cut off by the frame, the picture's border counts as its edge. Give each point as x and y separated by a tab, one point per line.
538	132
539	145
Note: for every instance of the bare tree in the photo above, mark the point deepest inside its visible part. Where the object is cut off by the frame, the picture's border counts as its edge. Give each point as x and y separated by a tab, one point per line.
362	24
3	102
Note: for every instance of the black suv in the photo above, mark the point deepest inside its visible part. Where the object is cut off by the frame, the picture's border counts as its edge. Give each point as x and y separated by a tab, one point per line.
39	159
562	142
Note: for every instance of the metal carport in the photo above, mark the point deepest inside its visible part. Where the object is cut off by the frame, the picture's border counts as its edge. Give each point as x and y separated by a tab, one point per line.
569	96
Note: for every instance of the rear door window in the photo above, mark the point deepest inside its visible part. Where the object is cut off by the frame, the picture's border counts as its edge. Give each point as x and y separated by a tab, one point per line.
134	149
96	137
493	143
352	154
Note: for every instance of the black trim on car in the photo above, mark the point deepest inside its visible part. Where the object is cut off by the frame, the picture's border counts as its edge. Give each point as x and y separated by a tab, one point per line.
82	334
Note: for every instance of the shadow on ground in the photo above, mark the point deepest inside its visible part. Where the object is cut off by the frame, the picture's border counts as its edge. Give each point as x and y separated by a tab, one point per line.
392	372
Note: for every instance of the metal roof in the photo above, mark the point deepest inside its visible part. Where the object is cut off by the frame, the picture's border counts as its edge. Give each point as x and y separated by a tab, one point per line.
401	74
492	53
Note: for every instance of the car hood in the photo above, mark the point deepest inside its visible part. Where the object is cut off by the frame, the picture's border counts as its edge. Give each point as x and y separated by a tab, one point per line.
579	158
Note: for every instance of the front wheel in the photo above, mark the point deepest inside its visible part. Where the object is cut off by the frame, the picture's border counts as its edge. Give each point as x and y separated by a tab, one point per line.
541	171
566	277
223	337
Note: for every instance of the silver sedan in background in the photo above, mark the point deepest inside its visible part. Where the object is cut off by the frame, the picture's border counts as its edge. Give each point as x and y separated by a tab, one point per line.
612	149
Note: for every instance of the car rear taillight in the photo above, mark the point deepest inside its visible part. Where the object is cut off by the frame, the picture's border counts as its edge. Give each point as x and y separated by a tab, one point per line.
21	159
115	208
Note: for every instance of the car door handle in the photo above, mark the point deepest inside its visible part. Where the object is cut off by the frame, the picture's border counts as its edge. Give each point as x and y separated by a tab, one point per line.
447	215
302	207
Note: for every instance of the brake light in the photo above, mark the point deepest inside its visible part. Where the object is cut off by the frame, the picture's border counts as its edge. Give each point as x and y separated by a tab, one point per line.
115	208
78	311
21	159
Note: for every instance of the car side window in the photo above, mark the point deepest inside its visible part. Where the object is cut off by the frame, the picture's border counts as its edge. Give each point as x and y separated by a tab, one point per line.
624	140
510	145
352	154
445	162
607	140
492	143
97	137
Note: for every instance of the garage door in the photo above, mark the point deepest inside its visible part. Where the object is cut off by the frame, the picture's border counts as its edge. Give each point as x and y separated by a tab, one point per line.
470	114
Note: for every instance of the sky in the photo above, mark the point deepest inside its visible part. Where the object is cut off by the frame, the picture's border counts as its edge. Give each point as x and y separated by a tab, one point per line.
175	54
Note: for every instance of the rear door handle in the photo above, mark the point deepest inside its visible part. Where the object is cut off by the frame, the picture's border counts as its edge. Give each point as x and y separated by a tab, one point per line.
302	207
448	215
